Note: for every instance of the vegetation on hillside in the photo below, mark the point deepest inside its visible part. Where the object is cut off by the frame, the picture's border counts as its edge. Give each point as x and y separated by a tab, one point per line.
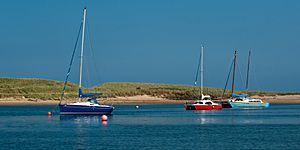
169	91
34	88
50	89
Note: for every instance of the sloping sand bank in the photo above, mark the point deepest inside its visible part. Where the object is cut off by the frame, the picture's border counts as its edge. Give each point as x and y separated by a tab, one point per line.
281	99
141	99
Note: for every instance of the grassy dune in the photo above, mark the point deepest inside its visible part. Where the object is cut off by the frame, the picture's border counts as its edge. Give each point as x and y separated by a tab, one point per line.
50	89
34	88
169	91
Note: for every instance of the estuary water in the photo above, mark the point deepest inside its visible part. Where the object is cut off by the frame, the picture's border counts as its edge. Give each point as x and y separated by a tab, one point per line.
152	127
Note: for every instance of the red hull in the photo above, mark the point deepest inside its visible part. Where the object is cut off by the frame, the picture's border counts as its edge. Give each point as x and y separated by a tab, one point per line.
202	107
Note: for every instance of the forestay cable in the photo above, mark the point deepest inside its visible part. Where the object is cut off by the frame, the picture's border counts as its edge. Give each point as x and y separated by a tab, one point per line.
70	65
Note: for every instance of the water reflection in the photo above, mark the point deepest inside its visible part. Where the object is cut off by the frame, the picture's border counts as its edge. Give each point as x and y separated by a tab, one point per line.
81	119
207	117
229	116
175	115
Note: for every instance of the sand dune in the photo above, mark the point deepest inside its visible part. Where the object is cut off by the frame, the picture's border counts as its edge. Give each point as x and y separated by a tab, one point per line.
141	99
281	99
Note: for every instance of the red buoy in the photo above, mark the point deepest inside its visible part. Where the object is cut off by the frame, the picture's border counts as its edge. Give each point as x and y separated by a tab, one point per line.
104	122
49	113
104	118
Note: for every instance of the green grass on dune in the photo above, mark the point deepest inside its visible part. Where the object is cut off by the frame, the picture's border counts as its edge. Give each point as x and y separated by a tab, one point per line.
34	88
169	91
50	89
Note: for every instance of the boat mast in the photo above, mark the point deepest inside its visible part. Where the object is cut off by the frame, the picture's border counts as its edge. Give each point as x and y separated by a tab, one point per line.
233	72
82	46
201	71
248	70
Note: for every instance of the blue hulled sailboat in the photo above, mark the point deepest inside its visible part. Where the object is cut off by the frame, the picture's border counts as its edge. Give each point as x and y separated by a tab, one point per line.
87	103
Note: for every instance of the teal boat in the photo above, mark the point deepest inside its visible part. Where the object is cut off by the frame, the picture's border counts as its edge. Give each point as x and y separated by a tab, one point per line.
243	100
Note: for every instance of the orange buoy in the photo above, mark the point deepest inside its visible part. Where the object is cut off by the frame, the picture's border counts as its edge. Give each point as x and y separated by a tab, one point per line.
49	113
104	118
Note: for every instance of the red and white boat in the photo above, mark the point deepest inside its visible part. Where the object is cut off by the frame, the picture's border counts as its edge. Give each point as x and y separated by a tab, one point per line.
204	104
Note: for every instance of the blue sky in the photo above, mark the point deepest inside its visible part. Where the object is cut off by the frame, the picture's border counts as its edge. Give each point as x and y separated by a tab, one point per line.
155	41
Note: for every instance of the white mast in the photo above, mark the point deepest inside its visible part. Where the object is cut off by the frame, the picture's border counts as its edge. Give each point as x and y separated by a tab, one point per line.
201	70
82	46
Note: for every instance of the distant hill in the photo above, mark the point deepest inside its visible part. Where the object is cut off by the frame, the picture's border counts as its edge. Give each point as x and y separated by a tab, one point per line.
34	88
50	89
169	91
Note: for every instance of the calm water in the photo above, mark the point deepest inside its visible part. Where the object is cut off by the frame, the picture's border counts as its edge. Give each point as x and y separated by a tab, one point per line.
152	127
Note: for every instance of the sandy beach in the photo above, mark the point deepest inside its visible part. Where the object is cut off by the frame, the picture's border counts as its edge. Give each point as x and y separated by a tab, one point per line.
281	99
141	99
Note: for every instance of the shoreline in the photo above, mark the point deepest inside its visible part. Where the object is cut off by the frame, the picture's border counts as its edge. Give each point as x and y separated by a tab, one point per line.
141	99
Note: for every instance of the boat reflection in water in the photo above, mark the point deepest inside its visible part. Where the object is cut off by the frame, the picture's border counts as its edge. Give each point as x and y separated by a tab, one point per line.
229	117
83	119
209	117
